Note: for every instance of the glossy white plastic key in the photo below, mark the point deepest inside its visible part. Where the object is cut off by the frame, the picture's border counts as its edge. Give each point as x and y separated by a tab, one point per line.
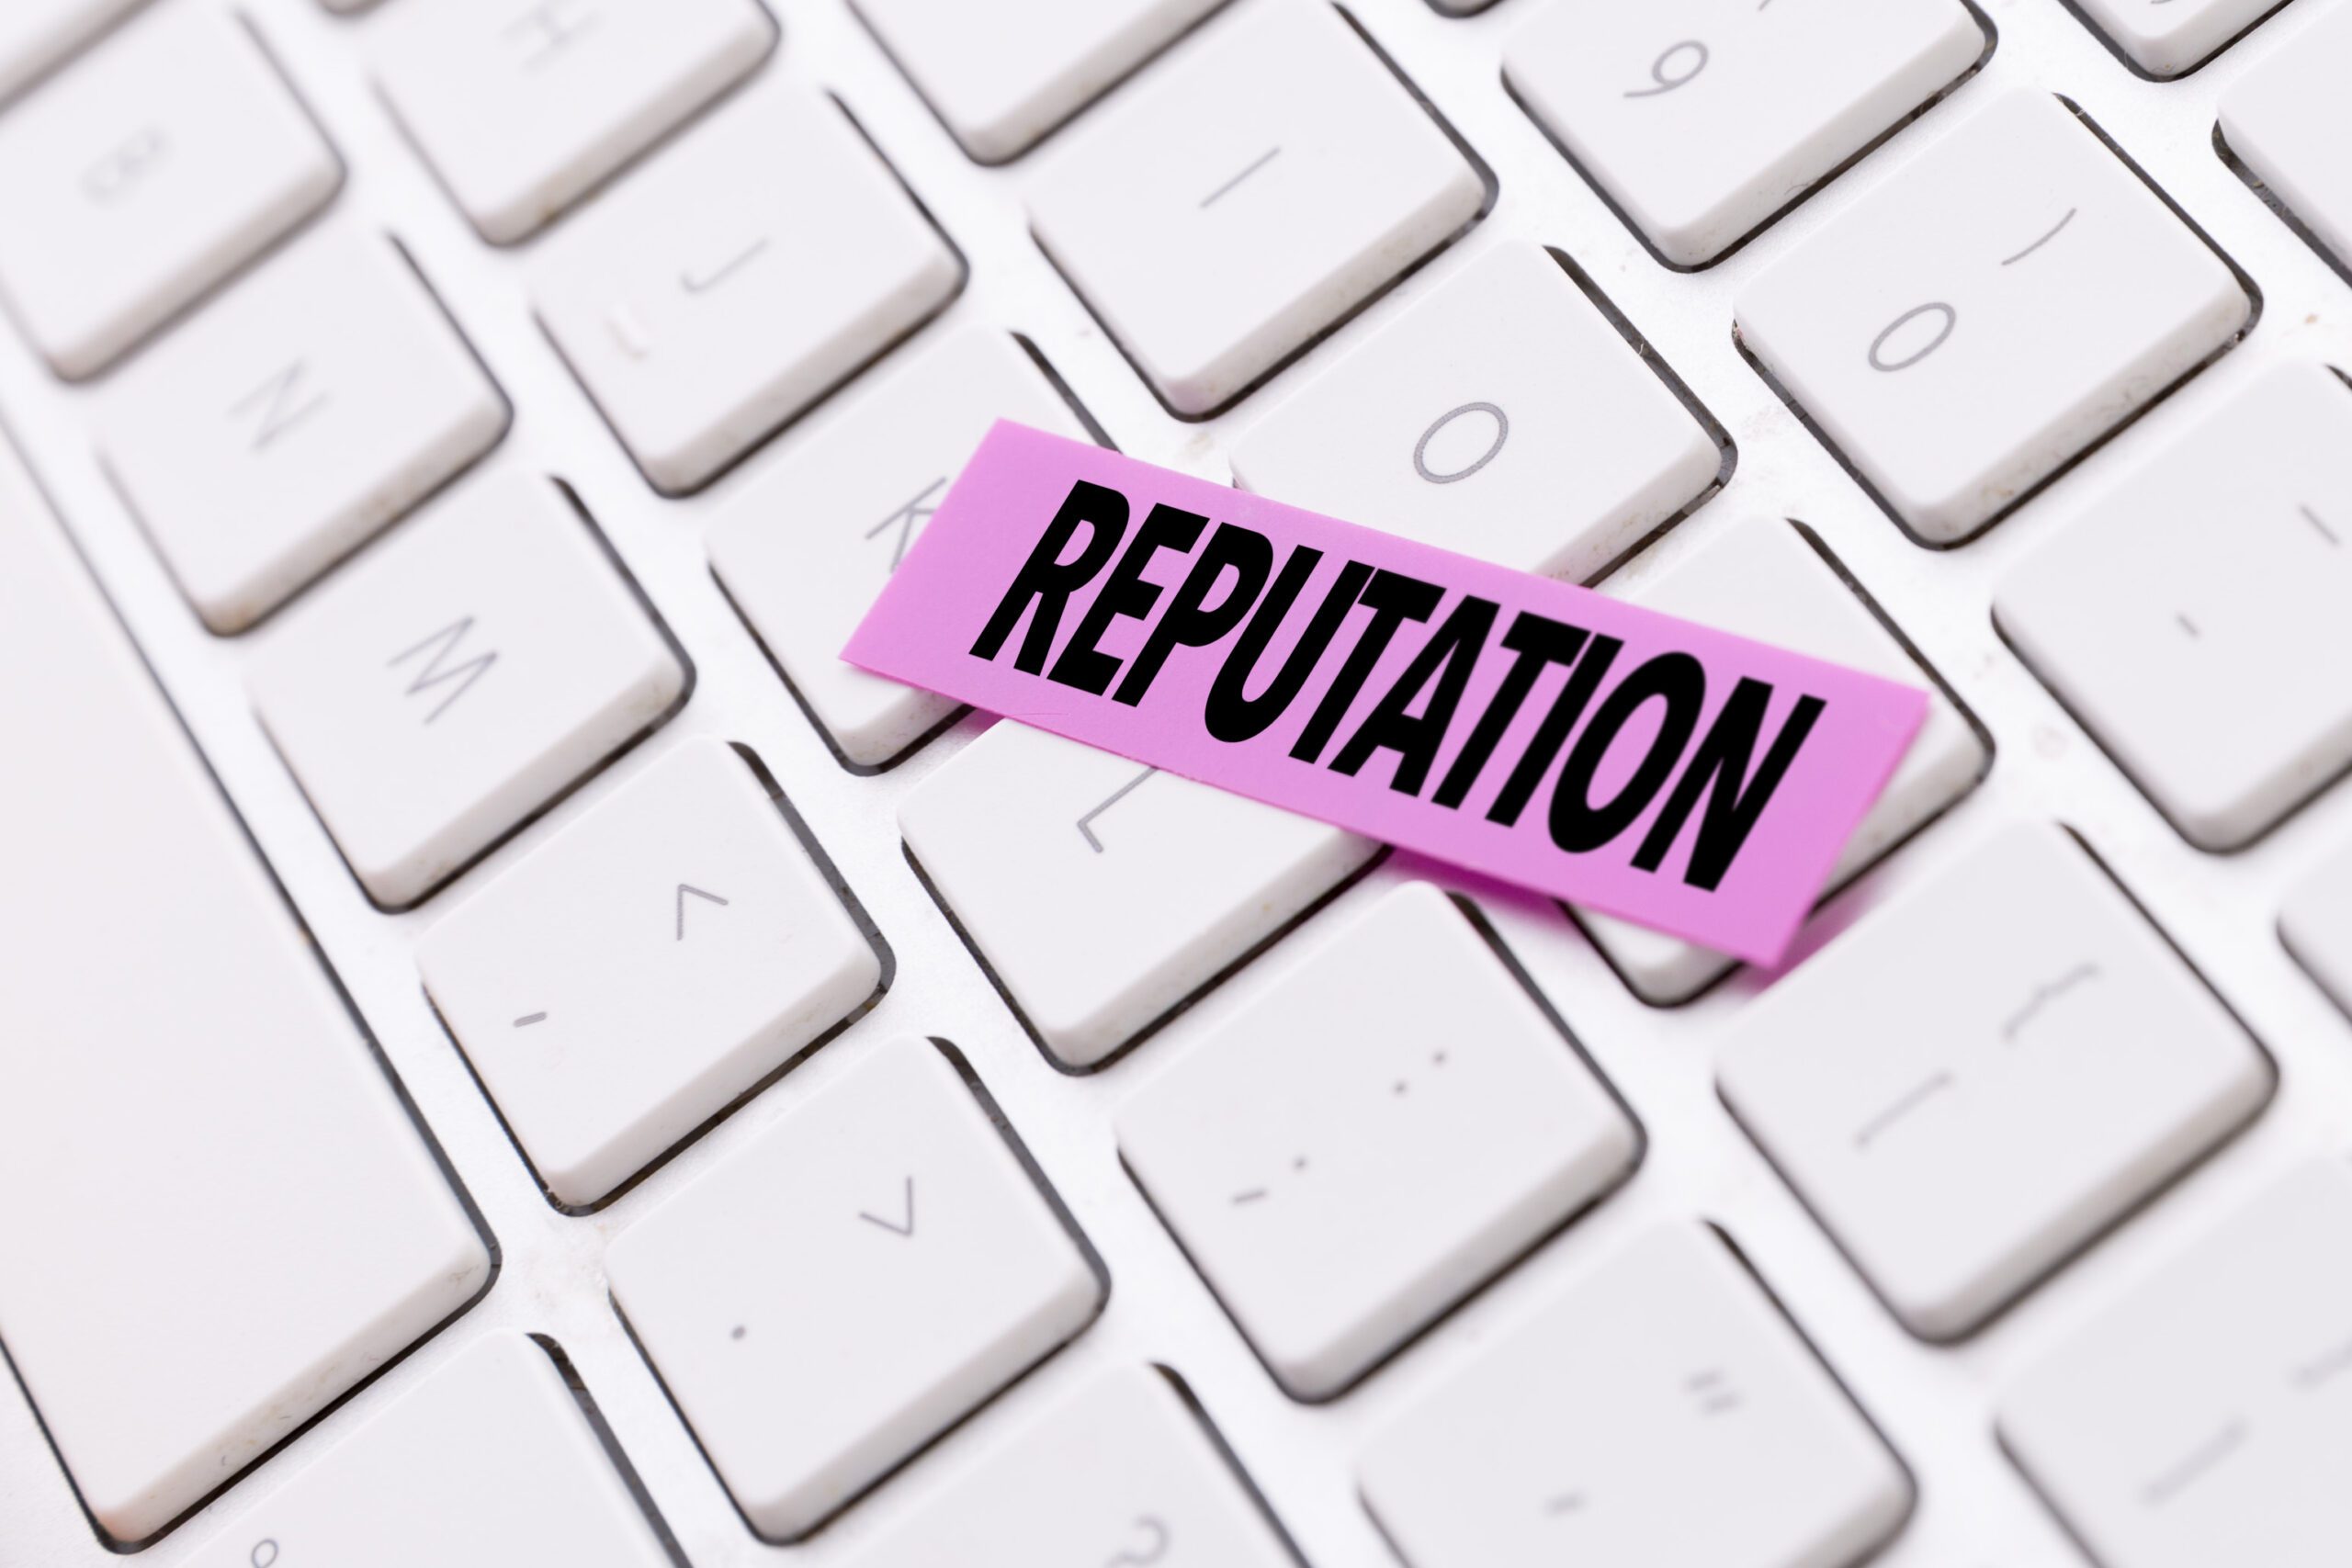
221	1217
839	1292
1664	1410
1763	578
317	400
1275	135
2316	925
1973	1084
155	167
2206	1416
640	971
1001	76
1100	893
470	669
2172	38
1961	333
37	34
1125	1471
1503	417
2287	118
488	1460
699	326
1372	1138
2193	620
1699	121
522	106
803	549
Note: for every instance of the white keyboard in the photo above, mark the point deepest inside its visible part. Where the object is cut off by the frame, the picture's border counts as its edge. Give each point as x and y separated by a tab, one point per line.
511	1053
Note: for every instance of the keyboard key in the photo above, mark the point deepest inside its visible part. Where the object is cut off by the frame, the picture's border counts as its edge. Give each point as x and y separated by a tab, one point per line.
2172	38
1503	417
154	169
470	672
2193	618
701	325
852	1284
2206	1417
1663	1411
1994	311
1977	1082
807	546
655	961
1279	136
2286	119
1768	580
1001	76
524	106
35	34
1382	1131
220	1217
316	401
488	1460
2316	925
1100	894
1700	123
1123	1471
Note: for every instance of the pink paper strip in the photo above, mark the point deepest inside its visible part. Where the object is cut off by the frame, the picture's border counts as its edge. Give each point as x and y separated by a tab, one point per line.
1534	731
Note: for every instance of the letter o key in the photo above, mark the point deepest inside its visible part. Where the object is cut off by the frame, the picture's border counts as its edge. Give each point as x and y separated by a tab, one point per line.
1494	448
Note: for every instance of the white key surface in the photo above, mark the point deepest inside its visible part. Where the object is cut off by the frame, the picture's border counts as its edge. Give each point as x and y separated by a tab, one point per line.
2316	925
187	1104
2172	38
1975	1083
1100	893
35	35
1376	1135
314	402
151	170
876	1265
700	326
1661	1410
1125	1471
1760	577
524	106
487	1463
472	668
807	546
1275	134
1961	334
2207	1416
1502	417
2287	117
1001	76
643	969
2195	618
1700	122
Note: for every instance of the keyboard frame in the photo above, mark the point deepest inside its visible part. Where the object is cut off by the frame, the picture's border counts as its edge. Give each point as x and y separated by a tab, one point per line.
1935	1404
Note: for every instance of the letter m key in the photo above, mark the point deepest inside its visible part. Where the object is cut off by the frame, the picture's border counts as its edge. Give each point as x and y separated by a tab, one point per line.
442	666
